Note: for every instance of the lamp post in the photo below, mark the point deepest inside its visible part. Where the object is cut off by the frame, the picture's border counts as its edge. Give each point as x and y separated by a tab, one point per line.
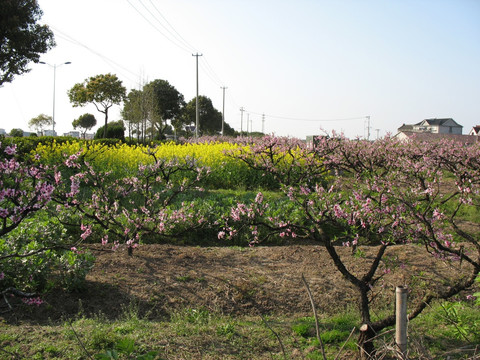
54	76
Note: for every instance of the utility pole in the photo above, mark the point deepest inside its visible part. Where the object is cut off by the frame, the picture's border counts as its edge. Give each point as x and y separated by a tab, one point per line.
197	111
241	120
368	127
263	124
223	110
377	130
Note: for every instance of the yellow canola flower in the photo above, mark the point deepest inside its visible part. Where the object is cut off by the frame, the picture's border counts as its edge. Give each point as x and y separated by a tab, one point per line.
123	159
208	154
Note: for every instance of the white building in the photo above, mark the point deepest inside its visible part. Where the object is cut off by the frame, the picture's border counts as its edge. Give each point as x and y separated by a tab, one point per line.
434	126
75	134
475	131
49	133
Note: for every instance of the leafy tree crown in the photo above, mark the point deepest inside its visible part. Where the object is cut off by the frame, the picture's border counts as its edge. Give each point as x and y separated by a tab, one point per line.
22	40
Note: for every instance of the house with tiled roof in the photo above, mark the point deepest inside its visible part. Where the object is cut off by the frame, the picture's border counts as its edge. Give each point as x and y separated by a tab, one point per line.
475	131
405	128
435	130
433	137
435	126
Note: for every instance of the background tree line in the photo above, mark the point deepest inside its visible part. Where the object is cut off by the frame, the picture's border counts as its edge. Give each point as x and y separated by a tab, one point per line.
159	109
156	111
152	112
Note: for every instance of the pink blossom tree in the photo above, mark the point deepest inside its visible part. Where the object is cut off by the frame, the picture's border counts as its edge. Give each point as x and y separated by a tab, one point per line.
383	194
128	209
24	189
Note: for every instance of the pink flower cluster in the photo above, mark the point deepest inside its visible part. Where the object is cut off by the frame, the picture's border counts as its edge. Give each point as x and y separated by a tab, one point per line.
87	231
384	192
33	301
148	193
24	189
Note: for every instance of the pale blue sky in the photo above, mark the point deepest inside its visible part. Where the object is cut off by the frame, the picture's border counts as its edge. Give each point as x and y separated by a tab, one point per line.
299	62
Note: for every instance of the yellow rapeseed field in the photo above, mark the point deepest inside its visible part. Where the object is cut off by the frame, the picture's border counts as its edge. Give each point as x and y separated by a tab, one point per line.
124	160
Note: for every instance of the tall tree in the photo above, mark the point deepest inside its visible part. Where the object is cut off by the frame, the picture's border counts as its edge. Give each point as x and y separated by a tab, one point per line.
86	122
103	91
22	40
165	104
135	112
40	122
229	131
210	121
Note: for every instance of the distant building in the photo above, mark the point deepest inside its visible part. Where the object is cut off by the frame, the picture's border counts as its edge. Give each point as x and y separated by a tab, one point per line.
475	131
405	128
3	132
312	140
49	133
75	134
431	137
436	130
433	126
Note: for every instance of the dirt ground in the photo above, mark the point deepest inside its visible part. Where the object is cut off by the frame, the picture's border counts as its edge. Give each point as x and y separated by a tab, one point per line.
160	279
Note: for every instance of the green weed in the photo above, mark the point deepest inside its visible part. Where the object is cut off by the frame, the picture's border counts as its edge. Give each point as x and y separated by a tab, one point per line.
190	330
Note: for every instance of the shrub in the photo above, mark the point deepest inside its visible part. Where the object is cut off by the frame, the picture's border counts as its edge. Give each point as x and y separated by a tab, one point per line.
115	130
35	257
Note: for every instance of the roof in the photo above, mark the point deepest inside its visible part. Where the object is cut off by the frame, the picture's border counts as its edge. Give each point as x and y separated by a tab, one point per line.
405	127
438	122
476	129
426	136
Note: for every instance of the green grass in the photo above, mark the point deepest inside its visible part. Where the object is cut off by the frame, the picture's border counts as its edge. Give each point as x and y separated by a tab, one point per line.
450	325
470	213
201	333
334	333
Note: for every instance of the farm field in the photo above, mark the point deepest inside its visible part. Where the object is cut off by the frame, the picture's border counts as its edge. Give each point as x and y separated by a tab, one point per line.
201	250
206	303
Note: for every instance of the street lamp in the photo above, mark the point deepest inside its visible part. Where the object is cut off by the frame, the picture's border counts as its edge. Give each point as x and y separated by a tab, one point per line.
54	76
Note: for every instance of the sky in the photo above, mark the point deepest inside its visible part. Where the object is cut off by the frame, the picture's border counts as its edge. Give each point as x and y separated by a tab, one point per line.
358	67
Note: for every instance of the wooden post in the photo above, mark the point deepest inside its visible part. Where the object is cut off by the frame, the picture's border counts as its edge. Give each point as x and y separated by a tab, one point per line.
401	321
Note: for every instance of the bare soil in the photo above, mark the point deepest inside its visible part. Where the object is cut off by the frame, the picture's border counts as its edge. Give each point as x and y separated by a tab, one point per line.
160	279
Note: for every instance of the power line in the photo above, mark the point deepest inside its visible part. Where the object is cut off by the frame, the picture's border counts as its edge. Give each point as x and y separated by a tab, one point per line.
174	30
214	81
303	119
109	61
208	71
215	78
181	42
179	45
175	38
